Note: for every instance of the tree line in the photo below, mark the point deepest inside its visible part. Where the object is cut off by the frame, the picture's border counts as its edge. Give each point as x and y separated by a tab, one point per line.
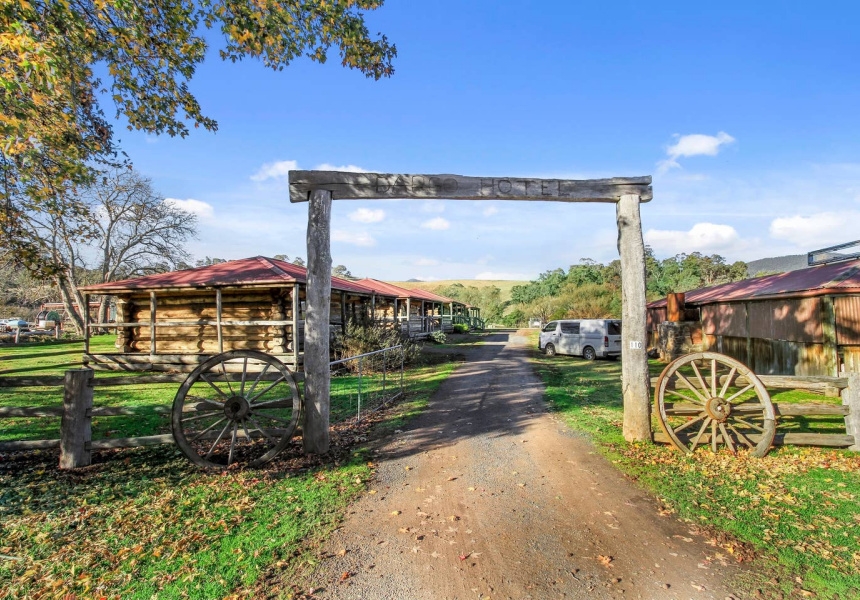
593	290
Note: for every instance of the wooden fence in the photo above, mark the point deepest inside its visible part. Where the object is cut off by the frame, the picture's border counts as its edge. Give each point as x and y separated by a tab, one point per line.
847	388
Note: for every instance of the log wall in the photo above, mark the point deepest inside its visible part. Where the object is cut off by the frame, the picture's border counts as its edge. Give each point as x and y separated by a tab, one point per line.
271	304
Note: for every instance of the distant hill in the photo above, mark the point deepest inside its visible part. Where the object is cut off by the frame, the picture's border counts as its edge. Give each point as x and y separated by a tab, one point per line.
504	285
777	264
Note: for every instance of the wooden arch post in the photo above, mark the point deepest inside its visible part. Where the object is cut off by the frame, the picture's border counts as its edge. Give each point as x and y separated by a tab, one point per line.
321	187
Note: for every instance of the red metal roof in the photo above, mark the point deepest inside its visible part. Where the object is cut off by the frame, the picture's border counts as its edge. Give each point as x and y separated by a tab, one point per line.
841	277
388	289
435	297
257	270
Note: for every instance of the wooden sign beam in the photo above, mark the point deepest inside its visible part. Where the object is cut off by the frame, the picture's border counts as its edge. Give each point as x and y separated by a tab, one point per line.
378	186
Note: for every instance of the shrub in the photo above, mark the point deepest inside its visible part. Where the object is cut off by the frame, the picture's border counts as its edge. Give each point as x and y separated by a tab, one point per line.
461	328
362	338
439	337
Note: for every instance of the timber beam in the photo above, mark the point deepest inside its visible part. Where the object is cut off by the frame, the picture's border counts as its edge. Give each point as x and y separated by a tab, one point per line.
377	186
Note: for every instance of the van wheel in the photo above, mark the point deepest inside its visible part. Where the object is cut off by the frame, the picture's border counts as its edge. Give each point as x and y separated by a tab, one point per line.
549	350
588	353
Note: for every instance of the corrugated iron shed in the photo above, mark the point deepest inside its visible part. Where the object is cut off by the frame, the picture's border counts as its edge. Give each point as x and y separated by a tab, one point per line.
834	278
255	271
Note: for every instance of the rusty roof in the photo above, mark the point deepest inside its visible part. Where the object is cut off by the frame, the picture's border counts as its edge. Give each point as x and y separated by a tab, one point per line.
840	278
256	271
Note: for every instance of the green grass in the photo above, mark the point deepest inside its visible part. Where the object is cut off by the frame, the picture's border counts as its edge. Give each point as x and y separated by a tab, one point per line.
144	523
797	507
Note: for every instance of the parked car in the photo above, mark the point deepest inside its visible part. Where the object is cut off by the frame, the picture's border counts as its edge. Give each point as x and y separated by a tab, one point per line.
16	323
589	338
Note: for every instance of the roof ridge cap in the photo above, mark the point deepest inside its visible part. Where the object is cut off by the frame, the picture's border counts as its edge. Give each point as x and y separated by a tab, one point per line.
267	262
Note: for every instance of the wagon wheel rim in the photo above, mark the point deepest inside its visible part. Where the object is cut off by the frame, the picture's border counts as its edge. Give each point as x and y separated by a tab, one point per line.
717	401
238	408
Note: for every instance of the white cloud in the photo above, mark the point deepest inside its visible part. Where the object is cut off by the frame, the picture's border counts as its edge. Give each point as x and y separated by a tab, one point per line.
437	224
203	210
355	238
426	262
367	215
493	275
695	144
702	237
490	210
275	170
816	230
347	168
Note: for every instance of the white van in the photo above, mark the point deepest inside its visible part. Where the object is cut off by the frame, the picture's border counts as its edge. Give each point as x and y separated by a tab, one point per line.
589	338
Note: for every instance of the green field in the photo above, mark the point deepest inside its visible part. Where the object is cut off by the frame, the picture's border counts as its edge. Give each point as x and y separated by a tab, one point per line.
505	285
796	508
143	523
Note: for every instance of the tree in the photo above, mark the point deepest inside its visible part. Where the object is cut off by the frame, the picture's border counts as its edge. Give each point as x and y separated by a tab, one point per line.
134	230
55	135
342	272
138	231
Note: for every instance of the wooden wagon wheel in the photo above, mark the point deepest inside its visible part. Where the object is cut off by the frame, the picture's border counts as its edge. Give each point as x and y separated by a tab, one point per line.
709	398
239	407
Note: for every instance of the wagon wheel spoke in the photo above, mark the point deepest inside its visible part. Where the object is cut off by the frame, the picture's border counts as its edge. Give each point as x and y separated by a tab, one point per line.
692	387
691	422
740	392
235	435
261	430
713	435
699	377
748	424
726	439
263	393
699	435
207	430
244	375
214	387
257	380
744	439
728	382
687	398
218	439
226	377
714	377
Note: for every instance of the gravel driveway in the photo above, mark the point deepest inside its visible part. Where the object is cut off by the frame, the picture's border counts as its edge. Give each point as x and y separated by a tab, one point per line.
487	495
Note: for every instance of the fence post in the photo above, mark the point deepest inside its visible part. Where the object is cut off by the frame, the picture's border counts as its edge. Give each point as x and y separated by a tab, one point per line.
358	417
851	399
76	425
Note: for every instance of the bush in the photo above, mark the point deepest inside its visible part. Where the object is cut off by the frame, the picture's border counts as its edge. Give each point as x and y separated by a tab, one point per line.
363	338
461	328
439	337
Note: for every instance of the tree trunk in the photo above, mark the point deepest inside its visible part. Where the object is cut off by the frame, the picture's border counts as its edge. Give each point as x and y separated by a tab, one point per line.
69	304
104	305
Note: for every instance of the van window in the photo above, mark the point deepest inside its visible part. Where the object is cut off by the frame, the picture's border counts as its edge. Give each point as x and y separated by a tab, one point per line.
550	326
569	327
614	327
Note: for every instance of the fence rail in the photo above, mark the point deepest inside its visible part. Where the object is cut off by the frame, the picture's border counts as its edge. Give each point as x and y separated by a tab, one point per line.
374	380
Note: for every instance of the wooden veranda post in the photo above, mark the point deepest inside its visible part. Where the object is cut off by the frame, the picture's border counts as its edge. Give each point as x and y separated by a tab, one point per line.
635	382
315	430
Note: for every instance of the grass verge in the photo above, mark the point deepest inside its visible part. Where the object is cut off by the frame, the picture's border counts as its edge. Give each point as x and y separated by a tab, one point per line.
797	507
144	523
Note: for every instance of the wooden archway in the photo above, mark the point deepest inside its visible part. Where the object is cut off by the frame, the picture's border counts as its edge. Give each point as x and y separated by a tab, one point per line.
319	188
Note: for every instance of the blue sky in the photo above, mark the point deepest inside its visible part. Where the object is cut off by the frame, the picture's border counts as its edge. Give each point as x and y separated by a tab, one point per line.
746	114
